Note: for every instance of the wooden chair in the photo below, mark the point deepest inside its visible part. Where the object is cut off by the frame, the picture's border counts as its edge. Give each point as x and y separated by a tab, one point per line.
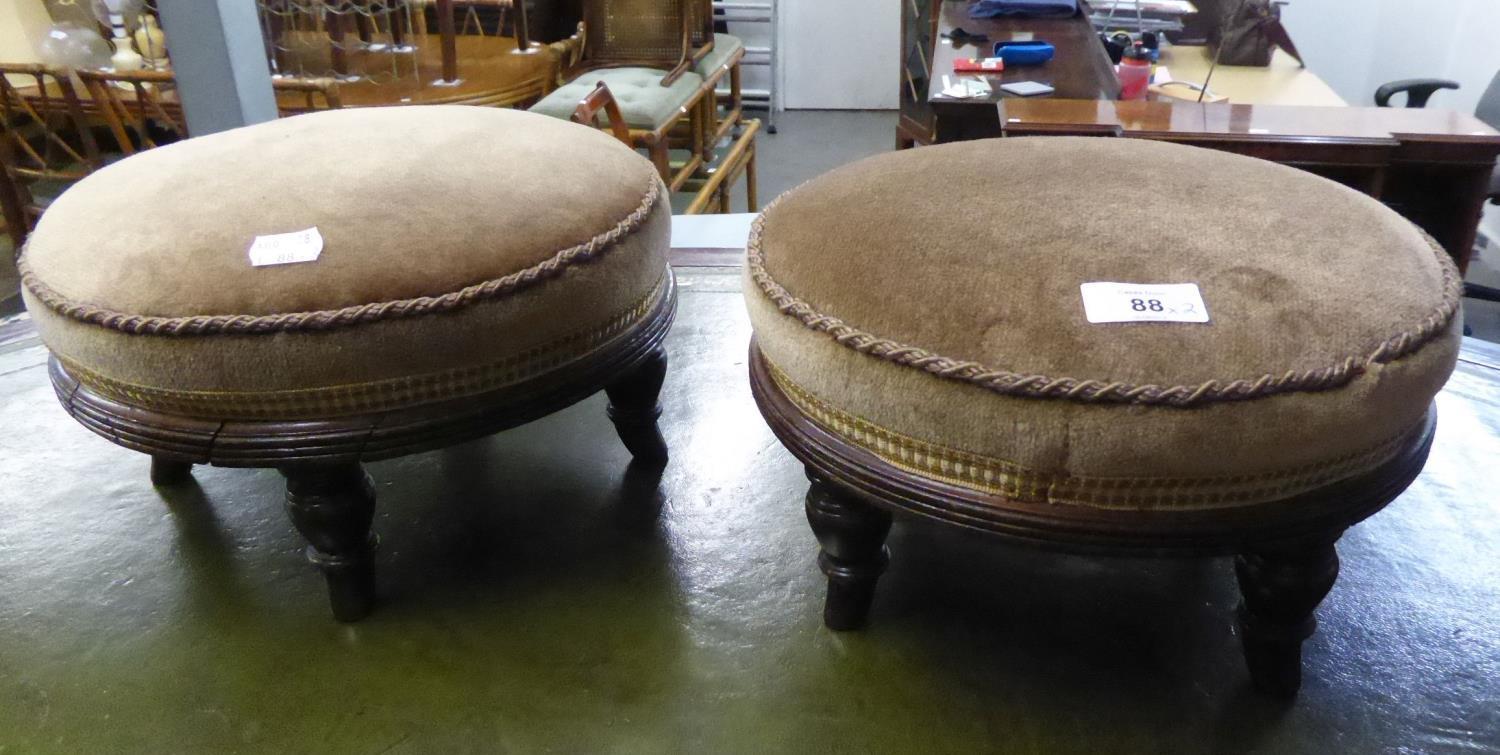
587	112
45	142
645	51
723	114
647	33
738	161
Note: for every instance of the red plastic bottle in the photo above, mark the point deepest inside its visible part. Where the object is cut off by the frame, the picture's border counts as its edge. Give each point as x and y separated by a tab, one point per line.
1135	72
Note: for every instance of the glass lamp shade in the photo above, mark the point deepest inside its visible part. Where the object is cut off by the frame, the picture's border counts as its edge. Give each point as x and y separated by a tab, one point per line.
67	45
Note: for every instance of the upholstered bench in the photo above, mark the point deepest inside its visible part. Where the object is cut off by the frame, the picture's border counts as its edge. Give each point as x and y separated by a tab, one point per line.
472	269
923	346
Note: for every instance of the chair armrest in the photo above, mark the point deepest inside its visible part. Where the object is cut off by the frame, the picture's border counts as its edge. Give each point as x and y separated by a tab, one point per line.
1482	293
677	72
1418	91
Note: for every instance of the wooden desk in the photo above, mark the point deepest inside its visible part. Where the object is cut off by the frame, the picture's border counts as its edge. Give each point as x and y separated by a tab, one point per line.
1081	69
1433	166
1284	82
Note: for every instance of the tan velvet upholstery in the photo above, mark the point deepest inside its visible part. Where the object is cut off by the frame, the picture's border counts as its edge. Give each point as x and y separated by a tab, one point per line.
925	304
465	249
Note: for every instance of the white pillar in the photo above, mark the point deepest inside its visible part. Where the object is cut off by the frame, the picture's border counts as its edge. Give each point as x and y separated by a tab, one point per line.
219	60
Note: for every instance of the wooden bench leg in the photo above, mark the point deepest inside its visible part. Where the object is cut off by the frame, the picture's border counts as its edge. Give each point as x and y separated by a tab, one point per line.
634	409
1281	588
332	505
169	471
852	535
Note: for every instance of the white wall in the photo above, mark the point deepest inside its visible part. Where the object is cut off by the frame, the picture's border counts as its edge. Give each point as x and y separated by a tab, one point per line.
22	24
841	54
1357	45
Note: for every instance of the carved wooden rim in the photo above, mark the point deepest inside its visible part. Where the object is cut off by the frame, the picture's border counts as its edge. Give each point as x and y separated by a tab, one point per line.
1218	531
323	320
364	437
1090	390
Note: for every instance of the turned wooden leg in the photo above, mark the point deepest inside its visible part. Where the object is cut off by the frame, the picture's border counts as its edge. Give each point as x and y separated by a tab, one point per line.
169	471
1281	588
852	533
634	409
332	506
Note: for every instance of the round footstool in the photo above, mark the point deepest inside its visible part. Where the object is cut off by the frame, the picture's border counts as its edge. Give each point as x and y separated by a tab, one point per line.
923	346
472	269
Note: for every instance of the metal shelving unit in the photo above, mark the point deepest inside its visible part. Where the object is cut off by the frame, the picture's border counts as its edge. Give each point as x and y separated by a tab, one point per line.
763	12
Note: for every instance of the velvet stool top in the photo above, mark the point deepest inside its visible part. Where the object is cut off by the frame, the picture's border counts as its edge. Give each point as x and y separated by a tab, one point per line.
921	343
480	268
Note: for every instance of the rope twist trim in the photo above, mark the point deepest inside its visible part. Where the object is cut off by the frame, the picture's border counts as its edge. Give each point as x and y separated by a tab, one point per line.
1082	390
359	314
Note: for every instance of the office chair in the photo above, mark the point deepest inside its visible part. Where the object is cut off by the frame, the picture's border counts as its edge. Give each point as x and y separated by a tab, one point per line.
1418	92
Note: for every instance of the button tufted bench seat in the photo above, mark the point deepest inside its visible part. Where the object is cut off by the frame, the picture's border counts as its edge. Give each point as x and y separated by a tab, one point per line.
650	110
924	356
480	268
645	104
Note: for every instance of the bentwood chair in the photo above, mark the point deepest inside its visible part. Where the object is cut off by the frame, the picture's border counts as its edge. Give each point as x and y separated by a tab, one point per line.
45	142
644	50
295	96
142	110
140	107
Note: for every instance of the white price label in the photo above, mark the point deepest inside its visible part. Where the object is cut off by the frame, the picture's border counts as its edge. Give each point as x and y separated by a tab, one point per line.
1143	302
286	248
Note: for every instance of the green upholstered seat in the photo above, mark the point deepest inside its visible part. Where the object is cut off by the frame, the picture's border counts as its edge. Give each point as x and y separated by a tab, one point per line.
727	47
465	250
645	104
949	337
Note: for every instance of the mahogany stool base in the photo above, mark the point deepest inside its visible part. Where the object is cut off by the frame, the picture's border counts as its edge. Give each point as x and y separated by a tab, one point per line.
1285	557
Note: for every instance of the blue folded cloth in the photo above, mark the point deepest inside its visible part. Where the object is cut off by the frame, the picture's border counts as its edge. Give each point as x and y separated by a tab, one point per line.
1030	8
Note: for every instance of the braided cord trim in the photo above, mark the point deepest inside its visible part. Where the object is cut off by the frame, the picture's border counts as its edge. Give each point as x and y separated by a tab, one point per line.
1085	390
332	319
